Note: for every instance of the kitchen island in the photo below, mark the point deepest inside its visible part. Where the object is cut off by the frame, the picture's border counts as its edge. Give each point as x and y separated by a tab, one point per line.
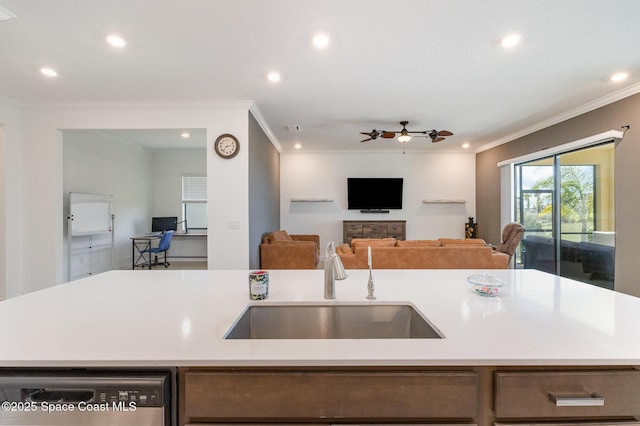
541	328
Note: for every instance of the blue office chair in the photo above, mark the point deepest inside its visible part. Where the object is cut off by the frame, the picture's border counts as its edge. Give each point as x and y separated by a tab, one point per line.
163	246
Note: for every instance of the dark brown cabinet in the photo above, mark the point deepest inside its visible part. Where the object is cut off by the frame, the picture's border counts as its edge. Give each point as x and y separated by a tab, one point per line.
481	395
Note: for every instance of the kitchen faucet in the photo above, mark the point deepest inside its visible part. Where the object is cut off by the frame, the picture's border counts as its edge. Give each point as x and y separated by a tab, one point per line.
333	270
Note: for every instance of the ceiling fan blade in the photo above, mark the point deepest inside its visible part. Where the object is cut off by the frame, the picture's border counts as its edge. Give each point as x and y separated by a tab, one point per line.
445	133
438	139
372	134
388	135
366	140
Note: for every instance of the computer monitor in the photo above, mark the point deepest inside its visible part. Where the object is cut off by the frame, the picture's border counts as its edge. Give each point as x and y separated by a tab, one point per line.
162	224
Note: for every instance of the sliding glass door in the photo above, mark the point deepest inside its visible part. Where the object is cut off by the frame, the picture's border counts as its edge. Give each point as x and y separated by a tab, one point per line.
567	207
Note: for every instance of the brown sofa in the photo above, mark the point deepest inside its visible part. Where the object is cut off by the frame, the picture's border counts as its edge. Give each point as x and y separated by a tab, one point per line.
281	250
444	253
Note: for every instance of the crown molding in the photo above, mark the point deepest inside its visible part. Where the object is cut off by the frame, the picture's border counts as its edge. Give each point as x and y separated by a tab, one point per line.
257	114
583	109
157	106
5	14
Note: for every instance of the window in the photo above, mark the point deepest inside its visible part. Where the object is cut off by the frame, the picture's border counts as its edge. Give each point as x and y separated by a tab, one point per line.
194	202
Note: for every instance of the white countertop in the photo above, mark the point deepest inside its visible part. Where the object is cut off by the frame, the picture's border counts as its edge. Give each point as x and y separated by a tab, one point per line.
179	318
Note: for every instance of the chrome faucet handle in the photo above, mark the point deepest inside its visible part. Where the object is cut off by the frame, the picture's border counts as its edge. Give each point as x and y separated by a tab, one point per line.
333	270
370	287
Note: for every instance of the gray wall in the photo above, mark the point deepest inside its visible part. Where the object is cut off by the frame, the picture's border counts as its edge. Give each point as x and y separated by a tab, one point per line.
627	176
264	189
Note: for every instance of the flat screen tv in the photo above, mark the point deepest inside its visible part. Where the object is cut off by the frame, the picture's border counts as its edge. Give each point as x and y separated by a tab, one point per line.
374	194
162	224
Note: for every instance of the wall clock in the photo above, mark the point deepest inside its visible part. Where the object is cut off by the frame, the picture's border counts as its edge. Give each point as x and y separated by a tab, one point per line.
226	146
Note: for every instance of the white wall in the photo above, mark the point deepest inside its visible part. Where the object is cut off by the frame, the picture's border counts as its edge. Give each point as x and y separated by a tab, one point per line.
11	198
426	176
98	164
36	161
169	165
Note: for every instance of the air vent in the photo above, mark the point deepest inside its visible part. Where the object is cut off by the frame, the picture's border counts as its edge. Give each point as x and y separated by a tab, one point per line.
294	128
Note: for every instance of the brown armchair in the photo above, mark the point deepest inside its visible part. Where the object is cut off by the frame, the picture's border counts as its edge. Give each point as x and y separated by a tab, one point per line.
511	236
281	250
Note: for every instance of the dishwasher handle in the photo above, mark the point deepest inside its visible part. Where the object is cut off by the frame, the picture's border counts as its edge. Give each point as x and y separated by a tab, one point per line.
71	396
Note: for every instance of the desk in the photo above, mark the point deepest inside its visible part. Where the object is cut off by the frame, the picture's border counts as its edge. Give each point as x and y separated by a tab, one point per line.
192	245
138	245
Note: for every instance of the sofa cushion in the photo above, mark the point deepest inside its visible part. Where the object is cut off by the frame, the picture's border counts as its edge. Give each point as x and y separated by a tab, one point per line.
373	242
279	236
460	256
460	241
418	243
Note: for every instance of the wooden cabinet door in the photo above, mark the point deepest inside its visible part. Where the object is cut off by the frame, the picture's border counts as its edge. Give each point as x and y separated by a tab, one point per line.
325	395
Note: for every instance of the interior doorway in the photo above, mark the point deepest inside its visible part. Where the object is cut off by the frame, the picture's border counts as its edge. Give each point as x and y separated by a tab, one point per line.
142	169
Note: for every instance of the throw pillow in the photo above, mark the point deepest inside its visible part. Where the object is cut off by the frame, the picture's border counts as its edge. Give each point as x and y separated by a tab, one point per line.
279	236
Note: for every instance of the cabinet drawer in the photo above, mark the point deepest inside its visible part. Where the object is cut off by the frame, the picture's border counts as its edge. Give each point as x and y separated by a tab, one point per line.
395	228
308	395
371	229
565	394
354	228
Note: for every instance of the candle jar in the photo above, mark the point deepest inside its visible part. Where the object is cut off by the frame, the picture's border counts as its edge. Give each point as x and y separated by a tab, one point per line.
258	285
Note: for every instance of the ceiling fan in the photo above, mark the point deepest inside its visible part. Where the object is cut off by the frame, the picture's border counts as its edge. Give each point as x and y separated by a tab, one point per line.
405	135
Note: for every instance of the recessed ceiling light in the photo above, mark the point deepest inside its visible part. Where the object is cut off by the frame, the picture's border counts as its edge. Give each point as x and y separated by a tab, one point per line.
510	40
465	145
619	76
321	40
273	77
116	41
49	72
297	146
185	135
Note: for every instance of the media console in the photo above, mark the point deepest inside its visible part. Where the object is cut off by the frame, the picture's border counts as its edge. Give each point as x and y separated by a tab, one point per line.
373	229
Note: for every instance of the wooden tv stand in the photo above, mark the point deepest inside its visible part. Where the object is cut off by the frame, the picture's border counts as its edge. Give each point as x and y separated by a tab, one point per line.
373	229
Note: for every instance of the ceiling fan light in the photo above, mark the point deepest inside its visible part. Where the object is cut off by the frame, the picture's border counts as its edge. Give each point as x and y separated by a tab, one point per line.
404	138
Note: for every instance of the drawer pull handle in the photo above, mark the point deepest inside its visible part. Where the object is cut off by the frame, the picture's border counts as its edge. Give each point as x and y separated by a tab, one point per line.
593	400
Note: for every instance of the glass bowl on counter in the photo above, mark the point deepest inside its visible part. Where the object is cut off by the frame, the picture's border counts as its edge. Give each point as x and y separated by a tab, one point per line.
485	285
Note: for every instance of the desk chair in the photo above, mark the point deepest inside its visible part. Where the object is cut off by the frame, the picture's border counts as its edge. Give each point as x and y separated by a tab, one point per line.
163	246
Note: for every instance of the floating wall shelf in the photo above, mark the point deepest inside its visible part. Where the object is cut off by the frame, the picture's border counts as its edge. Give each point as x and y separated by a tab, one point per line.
444	201
311	200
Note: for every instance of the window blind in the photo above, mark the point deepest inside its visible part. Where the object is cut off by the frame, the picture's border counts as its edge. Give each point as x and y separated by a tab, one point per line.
194	188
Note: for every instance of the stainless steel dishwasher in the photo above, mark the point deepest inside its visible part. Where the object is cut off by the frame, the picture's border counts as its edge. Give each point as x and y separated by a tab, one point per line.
84	397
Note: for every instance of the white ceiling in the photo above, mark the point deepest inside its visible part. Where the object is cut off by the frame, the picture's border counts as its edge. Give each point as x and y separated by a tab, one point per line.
435	63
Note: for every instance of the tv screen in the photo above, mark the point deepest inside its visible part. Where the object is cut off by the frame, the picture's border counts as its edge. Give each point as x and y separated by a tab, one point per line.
161	224
374	193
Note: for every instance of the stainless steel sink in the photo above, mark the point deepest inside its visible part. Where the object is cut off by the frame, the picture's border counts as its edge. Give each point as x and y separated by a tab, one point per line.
332	321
